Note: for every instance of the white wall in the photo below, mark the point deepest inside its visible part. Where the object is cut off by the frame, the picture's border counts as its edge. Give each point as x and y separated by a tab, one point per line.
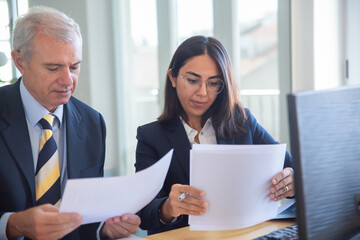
328	46
302	44
317	44
352	34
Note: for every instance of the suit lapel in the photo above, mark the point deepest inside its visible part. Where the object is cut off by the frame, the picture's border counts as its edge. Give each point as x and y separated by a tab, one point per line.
74	138
178	138
16	135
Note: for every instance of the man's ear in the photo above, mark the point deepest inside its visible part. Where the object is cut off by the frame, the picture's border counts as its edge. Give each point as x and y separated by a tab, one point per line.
172	79
19	61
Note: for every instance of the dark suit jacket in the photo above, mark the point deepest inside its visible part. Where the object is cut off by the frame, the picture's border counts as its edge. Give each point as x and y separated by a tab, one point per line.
155	140
85	135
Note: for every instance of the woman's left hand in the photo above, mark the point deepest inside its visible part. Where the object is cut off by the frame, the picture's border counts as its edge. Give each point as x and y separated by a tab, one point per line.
282	185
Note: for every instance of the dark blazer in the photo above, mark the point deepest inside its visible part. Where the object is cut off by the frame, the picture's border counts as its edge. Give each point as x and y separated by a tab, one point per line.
85	135
156	139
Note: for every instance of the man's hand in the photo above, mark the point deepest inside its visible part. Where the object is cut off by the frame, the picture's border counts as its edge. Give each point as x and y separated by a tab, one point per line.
42	222
119	227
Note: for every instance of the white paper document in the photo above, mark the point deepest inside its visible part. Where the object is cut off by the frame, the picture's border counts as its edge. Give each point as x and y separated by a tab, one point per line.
98	199
236	180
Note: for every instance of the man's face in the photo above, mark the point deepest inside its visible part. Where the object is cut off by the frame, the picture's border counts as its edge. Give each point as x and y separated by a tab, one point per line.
51	75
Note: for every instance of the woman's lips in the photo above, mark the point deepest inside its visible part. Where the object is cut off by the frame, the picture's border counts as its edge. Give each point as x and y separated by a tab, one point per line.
198	104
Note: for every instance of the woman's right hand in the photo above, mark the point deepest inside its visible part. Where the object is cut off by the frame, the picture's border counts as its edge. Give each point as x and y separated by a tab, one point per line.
192	204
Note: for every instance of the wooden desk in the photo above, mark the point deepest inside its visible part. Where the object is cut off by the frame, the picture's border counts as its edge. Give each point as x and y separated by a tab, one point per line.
239	234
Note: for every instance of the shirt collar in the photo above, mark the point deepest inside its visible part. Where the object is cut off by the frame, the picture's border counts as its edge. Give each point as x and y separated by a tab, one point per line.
34	111
190	131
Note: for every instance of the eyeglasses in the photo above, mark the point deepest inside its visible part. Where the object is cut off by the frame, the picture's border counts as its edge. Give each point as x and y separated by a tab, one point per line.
213	85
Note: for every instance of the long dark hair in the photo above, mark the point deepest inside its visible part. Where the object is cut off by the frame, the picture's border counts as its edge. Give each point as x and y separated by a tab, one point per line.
227	114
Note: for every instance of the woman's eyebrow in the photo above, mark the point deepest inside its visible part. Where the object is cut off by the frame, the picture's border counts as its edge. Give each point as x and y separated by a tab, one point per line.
194	74
197	75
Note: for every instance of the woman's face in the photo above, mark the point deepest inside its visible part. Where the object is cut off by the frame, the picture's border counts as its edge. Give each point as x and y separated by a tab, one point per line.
195	99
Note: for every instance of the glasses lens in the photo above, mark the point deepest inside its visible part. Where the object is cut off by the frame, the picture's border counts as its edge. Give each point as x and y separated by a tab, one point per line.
192	83
215	85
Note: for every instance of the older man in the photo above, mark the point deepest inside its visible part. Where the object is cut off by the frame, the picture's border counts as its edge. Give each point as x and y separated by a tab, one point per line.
47	136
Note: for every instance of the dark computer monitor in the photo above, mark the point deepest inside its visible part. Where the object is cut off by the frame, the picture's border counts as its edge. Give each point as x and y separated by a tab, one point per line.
325	144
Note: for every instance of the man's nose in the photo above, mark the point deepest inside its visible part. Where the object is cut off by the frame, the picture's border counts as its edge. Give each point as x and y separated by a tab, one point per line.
66	78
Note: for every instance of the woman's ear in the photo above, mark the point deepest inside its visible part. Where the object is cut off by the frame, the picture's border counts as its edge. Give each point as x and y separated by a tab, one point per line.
172	79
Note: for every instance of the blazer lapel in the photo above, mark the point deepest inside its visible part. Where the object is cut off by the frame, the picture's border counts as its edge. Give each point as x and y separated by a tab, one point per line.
16	135
178	138
75	134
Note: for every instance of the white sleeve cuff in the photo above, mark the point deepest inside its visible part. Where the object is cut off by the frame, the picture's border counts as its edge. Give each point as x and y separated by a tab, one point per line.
98	230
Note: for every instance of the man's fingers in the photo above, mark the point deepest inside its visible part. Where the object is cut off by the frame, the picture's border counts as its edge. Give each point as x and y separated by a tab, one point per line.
122	226
48	208
131	219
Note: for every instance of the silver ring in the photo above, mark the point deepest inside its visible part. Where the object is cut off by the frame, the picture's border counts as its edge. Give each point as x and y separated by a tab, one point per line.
286	188
182	196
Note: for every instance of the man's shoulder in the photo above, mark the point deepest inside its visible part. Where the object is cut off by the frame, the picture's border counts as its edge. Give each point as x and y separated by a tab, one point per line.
6	89
8	95
80	106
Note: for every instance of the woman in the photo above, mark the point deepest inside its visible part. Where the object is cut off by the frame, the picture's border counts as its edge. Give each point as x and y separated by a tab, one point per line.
201	106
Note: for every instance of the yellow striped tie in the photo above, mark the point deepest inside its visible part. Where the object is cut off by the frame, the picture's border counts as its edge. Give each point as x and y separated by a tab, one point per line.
47	175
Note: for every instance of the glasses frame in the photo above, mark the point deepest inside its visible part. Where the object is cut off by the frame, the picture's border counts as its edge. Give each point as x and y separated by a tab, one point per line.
199	86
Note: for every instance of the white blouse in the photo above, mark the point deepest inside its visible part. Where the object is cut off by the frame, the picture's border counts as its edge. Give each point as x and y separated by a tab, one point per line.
207	134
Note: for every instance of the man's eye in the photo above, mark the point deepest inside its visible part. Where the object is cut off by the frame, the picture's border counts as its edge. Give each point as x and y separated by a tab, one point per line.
53	69
74	68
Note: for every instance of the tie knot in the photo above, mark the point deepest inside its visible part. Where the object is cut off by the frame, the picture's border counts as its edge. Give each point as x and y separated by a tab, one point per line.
47	121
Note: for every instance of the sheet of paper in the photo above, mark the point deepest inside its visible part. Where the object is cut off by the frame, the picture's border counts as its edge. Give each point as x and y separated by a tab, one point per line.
98	199
287	209
236	180
285	204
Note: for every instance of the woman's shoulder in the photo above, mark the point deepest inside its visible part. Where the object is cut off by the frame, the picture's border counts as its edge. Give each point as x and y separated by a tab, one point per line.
250	119
250	124
150	125
156	126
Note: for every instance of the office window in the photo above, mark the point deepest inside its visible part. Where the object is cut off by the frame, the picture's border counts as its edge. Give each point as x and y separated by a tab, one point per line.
142	78
258	67
144	61
15	8
194	18
259	81
5	63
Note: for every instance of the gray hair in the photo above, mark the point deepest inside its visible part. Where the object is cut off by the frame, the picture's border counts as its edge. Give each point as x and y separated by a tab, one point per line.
47	20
